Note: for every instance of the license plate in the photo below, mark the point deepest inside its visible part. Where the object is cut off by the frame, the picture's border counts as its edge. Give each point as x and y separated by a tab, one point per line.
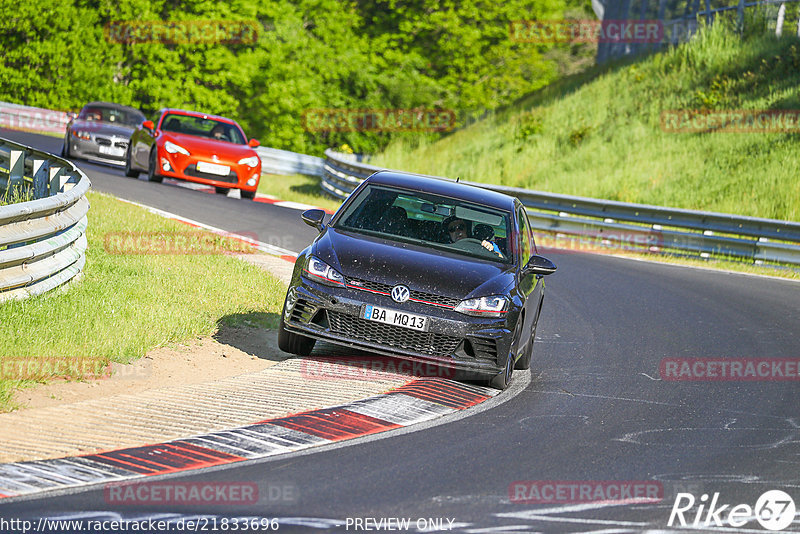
213	168
394	317
111	150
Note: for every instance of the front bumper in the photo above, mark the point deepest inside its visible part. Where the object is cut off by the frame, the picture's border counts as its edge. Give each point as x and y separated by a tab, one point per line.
184	167
468	345
111	151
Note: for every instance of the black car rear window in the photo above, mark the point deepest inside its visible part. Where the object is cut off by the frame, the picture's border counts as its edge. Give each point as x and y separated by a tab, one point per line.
439	222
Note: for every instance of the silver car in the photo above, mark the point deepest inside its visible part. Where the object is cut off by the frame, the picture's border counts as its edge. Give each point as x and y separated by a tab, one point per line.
101	132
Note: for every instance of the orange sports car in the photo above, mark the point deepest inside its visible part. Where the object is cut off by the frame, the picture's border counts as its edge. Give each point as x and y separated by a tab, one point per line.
197	147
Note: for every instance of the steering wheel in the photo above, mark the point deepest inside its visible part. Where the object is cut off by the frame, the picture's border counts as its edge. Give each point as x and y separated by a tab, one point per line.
469	243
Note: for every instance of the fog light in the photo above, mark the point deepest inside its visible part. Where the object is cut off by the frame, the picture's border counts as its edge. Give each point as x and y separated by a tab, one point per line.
165	165
252	181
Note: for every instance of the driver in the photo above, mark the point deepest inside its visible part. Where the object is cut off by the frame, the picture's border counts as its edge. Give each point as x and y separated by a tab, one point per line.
218	132
458	229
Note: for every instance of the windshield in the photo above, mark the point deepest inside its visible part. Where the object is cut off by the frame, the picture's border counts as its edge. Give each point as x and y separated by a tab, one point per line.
202	127
430	220
111	115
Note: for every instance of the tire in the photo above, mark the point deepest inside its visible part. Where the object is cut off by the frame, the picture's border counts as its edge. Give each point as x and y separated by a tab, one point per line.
247	195
64	147
503	379
152	168
294	343
130	173
524	362
221	190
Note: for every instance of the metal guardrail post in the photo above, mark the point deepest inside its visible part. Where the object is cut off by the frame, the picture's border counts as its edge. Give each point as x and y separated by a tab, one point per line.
55	179
41	174
16	170
740	16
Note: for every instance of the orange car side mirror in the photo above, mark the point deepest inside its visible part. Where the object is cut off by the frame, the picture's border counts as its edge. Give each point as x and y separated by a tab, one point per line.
253	143
149	125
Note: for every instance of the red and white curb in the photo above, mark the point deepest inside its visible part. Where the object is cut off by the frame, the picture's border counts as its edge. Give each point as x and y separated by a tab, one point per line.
420	400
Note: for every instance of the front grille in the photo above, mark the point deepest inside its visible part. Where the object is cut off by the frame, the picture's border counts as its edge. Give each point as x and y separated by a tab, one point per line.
426	298
121	144
102	141
191	170
393	336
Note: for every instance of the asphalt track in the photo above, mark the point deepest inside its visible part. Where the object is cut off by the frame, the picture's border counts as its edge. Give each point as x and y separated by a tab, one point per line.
595	408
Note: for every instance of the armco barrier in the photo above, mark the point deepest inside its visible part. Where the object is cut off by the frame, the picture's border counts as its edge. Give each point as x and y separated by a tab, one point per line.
275	161
42	241
616	225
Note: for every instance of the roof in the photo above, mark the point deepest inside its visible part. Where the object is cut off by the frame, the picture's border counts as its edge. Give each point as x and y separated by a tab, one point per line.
443	187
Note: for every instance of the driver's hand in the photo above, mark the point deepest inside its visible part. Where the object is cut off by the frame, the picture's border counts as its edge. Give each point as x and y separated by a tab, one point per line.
488	246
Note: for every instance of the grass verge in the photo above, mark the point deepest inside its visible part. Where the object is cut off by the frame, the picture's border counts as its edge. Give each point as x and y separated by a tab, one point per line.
128	303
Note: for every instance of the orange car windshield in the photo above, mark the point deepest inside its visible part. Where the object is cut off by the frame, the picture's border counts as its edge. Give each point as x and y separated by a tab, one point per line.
200	127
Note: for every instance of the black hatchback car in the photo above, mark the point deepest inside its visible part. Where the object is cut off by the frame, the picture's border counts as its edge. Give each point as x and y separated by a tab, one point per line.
423	269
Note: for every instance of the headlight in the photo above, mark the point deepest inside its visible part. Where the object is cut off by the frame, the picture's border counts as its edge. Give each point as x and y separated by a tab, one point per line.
494	306
82	135
173	148
322	272
252	161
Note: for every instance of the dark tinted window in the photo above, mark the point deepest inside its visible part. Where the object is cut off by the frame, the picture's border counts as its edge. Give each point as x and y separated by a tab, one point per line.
430	220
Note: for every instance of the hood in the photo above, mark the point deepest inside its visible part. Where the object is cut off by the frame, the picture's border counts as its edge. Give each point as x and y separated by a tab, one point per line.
425	269
105	128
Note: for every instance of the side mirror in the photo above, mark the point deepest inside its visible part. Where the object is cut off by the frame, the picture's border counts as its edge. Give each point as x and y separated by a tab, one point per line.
149	125
539	265
314	218
253	143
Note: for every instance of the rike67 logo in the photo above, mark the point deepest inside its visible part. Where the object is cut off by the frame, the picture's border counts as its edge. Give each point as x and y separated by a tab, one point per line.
774	510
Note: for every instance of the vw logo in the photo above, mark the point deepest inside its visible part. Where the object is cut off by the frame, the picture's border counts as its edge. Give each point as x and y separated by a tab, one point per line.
400	293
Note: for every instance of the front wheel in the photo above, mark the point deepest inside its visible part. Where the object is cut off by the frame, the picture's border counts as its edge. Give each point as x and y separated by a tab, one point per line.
221	190
247	195
503	379
294	343
152	170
